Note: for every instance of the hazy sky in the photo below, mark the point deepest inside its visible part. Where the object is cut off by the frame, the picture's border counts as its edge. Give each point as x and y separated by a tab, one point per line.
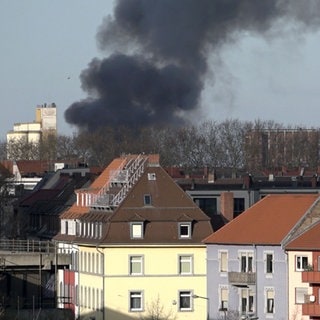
46	44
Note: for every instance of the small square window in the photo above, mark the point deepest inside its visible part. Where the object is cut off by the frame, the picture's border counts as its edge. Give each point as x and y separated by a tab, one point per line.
185	230
300	295
136	230
185	300
136	301
301	263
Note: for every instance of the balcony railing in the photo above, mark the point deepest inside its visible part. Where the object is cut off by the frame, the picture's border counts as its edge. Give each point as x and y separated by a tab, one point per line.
311	276
311	309
242	278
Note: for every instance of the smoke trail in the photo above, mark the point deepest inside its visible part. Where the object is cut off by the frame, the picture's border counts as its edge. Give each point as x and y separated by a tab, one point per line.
158	49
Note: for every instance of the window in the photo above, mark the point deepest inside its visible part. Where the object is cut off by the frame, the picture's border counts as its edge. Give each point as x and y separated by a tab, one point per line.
185	300
269	263
185	264
238	206
223	261
136	301
78	228
207	205
136	230
185	230
246	259
301	263
151	176
136	265
247	301
269	301
88	229
66	227
100	230
300	293
147	200
224	298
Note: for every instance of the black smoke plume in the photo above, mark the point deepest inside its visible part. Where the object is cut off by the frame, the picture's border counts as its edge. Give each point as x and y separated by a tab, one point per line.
156	65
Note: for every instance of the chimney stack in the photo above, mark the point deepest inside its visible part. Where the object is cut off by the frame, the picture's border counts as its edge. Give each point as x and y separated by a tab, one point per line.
226	205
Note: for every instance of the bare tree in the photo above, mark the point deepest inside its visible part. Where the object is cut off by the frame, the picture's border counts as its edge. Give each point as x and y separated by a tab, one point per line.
231	133
156	311
66	147
22	149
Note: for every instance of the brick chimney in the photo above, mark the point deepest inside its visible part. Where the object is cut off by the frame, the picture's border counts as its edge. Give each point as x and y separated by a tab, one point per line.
226	205
247	181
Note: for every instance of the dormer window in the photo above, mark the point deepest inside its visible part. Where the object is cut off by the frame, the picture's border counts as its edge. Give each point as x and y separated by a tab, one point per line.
151	176
136	230
184	230
147	200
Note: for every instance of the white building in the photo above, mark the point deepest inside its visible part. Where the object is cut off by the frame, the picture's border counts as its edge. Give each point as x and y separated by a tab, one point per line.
32	132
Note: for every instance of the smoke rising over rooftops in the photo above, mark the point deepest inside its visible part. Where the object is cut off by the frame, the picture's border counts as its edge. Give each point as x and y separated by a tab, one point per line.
157	56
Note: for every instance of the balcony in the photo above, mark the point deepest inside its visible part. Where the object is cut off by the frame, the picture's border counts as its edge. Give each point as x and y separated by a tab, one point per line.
311	276
311	309
242	278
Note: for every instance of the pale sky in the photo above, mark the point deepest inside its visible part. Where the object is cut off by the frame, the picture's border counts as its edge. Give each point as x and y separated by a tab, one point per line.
46	44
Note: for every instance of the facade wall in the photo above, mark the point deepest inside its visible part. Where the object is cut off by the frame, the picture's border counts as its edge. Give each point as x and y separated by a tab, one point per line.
295	282
159	282
273	284
249	197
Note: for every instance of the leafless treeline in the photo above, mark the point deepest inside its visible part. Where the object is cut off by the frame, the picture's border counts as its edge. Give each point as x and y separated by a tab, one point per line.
231	143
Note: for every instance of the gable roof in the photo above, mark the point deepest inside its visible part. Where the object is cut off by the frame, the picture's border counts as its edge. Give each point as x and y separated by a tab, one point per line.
169	207
309	240
267	222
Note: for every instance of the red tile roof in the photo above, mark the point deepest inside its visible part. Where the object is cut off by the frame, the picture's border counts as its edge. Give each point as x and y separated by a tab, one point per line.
102	181
307	241
266	222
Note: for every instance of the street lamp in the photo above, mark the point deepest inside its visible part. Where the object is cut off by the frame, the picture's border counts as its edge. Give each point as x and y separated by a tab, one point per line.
195	296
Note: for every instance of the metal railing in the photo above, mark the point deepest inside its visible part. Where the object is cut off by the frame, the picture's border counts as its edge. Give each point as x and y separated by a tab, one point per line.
32	246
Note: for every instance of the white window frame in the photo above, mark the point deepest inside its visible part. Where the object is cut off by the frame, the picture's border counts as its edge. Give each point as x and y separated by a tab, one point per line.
186	225
246	294
269	300
185	259
266	254
248	256
299	264
135	294
135	260
136	230
223	297
185	294
299	293
223	261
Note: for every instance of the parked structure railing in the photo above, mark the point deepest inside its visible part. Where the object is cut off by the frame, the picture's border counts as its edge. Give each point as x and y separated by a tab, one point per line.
32	246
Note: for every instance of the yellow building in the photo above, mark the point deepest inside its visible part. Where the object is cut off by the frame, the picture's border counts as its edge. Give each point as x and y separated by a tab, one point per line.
139	246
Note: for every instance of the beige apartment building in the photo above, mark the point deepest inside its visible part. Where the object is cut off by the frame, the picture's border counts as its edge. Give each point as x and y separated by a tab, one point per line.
45	124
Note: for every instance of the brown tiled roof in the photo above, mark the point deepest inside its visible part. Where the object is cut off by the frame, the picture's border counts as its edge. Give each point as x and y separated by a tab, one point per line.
76	211
267	222
170	205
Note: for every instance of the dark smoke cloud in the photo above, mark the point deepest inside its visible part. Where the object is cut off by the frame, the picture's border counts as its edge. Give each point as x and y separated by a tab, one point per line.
157	63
